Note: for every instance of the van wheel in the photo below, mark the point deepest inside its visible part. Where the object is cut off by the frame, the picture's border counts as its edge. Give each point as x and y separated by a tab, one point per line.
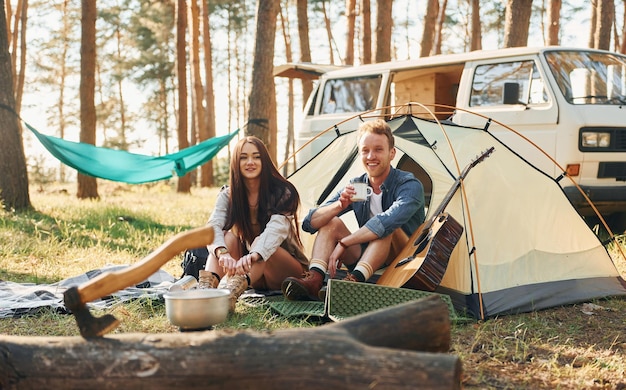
617	222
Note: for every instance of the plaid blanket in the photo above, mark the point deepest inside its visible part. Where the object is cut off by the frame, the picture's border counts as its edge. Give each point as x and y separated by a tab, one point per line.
19	299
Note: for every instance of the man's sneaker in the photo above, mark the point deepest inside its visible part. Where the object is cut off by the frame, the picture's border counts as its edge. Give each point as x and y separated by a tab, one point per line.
348	278
305	288
237	284
207	279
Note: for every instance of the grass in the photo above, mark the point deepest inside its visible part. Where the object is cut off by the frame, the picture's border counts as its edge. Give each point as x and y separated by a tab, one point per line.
559	348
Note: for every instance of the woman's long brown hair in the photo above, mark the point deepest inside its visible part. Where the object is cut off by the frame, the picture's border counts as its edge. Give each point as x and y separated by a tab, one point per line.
276	194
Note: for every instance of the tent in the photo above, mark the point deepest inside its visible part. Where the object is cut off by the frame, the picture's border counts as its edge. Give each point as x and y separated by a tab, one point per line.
523	247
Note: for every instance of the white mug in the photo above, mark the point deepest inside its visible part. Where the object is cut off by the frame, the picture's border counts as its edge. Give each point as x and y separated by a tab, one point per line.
363	191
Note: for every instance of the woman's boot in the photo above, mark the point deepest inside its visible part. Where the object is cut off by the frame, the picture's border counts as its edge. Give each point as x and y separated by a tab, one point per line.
207	279
237	284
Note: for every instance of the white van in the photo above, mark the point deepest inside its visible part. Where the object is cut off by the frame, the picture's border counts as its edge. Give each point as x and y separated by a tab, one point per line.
571	102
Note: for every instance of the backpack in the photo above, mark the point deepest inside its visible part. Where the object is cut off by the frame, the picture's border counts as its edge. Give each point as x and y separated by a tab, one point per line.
194	260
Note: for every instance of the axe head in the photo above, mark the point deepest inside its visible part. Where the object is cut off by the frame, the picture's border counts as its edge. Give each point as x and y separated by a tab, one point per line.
88	325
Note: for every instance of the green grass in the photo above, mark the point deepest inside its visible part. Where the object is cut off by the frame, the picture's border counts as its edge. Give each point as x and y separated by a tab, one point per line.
64	237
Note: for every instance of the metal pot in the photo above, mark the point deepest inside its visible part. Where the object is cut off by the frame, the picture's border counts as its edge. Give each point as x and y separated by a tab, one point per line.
197	309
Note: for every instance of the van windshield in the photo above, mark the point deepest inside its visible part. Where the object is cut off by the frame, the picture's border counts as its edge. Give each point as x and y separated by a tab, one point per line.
586	77
348	95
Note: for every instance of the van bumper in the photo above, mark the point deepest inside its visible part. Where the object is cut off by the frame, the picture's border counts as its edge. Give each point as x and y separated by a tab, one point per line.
607	200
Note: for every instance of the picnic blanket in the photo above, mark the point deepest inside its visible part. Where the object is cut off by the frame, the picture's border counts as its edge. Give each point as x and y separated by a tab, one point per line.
20	299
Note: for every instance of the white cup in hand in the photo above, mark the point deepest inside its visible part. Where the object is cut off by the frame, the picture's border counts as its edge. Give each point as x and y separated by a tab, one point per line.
363	191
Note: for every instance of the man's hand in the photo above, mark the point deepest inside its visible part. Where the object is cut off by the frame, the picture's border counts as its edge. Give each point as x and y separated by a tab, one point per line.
345	198
334	261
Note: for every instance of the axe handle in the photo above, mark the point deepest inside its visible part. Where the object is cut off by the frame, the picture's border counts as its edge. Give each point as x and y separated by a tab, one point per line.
110	282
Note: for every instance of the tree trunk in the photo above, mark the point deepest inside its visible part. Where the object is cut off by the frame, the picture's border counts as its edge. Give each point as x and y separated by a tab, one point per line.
329	32
184	182
402	347
430	21
366	40
13	175
262	111
592	23
13	34
623	45
87	185
209	97
554	18
21	72
289	144
476	36
605	13
441	19
63	73
384	23
198	91
517	22
120	93
350	22
305	46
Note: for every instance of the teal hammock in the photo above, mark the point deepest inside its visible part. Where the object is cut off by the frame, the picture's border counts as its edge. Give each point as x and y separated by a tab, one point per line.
126	167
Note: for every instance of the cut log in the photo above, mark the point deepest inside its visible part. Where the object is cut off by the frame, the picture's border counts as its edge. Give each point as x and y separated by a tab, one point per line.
390	348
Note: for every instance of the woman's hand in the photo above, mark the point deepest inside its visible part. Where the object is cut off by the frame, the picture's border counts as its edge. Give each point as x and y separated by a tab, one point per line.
244	265
228	264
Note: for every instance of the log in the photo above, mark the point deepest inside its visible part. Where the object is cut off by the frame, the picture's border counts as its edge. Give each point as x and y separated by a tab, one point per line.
381	349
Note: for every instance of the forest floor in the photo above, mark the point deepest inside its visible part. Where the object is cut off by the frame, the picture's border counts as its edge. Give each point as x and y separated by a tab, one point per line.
580	346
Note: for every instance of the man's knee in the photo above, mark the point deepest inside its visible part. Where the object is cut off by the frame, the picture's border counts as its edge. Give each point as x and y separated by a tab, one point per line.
334	224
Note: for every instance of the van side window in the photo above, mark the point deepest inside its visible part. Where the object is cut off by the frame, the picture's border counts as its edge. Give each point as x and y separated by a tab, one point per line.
516	82
350	94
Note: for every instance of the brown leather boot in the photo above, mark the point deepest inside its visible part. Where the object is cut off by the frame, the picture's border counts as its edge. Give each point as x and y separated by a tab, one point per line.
305	288
206	279
237	284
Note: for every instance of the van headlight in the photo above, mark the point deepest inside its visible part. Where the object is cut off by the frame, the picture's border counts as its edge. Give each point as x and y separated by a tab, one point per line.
592	139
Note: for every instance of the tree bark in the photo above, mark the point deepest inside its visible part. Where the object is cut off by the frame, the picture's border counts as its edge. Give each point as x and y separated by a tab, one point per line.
430	21
13	174
87	185
401	347
517	22
184	182
384	23
554	18
262	108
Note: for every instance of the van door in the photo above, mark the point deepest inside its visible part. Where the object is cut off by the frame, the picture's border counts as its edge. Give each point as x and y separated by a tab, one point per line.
514	92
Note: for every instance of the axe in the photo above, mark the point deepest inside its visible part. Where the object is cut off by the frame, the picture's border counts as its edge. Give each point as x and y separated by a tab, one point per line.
76	298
